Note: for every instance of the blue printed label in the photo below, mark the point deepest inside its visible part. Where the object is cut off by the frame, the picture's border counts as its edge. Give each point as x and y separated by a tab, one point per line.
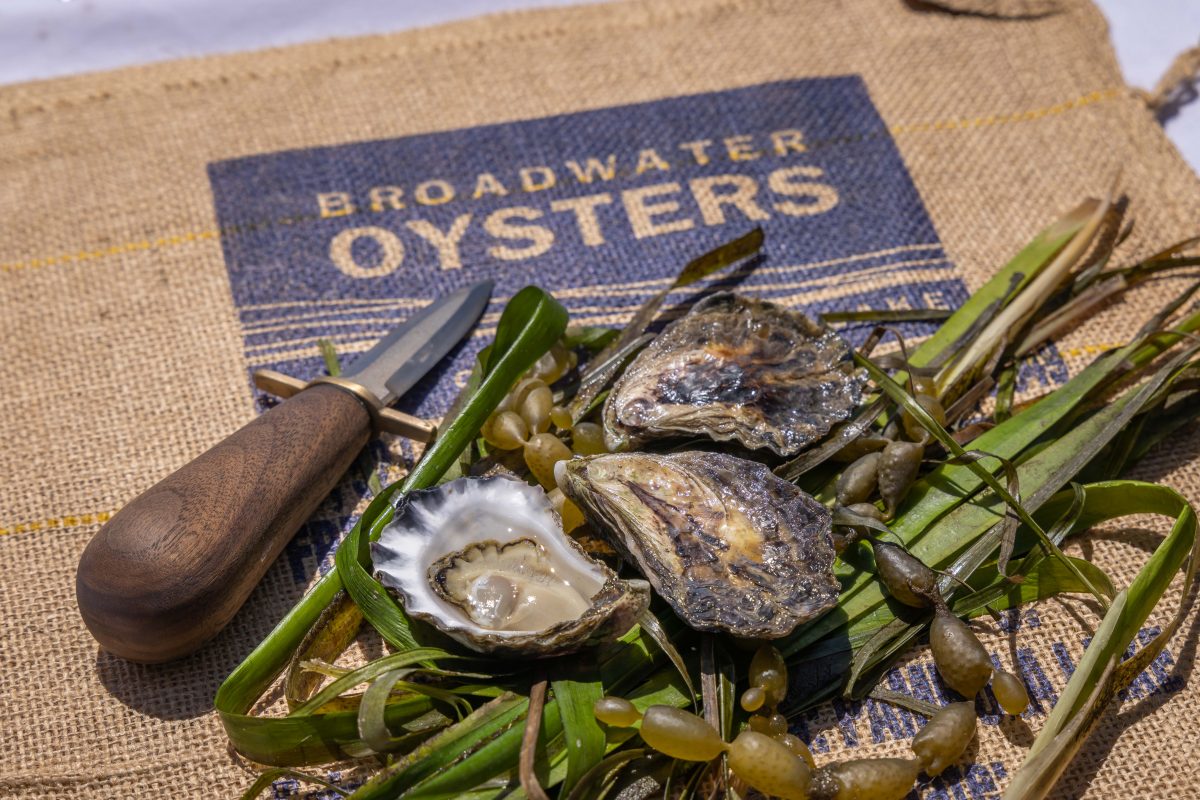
600	207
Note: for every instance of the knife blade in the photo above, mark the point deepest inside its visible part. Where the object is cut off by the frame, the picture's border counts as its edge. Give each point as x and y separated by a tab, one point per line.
172	567
400	359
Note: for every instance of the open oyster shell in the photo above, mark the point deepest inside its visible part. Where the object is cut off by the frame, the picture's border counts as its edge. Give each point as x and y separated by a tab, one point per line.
735	368
729	545
485	560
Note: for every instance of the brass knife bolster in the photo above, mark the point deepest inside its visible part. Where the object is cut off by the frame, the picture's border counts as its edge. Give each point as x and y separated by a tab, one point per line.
383	418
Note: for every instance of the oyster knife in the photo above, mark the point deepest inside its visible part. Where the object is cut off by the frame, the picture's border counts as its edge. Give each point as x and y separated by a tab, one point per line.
172	567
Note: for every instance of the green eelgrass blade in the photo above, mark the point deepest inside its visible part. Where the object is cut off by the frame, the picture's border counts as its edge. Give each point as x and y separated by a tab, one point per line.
1100	675
1166	424
1041	577
373	729
484	747
296	741
582	735
329	355
887	315
1100	502
590	337
653	628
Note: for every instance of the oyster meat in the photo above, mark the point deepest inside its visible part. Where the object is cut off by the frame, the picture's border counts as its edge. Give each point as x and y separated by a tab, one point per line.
731	546
485	560
735	368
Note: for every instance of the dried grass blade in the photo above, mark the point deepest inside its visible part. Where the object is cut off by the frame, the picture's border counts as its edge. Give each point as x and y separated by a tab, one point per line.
329	637
1158	321
983	304
1028	299
370	672
905	701
1069	315
529	741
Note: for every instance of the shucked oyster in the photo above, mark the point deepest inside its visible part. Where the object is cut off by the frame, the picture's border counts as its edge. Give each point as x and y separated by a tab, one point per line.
486	562
728	544
735	368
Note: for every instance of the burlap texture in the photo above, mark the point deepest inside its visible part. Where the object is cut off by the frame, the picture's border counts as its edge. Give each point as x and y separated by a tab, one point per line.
126	355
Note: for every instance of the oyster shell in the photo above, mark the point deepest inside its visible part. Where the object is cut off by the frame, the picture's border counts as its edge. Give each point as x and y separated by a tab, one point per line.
486	562
736	368
729	545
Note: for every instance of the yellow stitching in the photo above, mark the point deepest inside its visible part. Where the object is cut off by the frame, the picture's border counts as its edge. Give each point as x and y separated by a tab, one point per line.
1020	116
1088	350
128	247
65	521
919	127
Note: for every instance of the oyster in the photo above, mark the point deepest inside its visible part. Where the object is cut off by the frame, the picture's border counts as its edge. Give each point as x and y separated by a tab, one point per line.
729	545
736	368
486	562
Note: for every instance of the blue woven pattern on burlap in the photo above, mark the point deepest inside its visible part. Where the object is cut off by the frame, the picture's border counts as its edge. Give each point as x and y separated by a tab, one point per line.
601	207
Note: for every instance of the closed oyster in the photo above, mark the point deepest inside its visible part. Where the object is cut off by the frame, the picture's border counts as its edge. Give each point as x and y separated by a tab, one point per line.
734	368
729	545
486	562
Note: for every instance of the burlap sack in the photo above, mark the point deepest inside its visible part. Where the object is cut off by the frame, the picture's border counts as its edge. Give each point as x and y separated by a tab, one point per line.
167	228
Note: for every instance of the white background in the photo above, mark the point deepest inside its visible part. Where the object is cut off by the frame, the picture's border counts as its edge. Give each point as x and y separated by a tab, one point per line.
45	38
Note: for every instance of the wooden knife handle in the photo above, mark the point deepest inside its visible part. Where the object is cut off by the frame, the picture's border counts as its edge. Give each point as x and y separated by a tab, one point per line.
172	567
